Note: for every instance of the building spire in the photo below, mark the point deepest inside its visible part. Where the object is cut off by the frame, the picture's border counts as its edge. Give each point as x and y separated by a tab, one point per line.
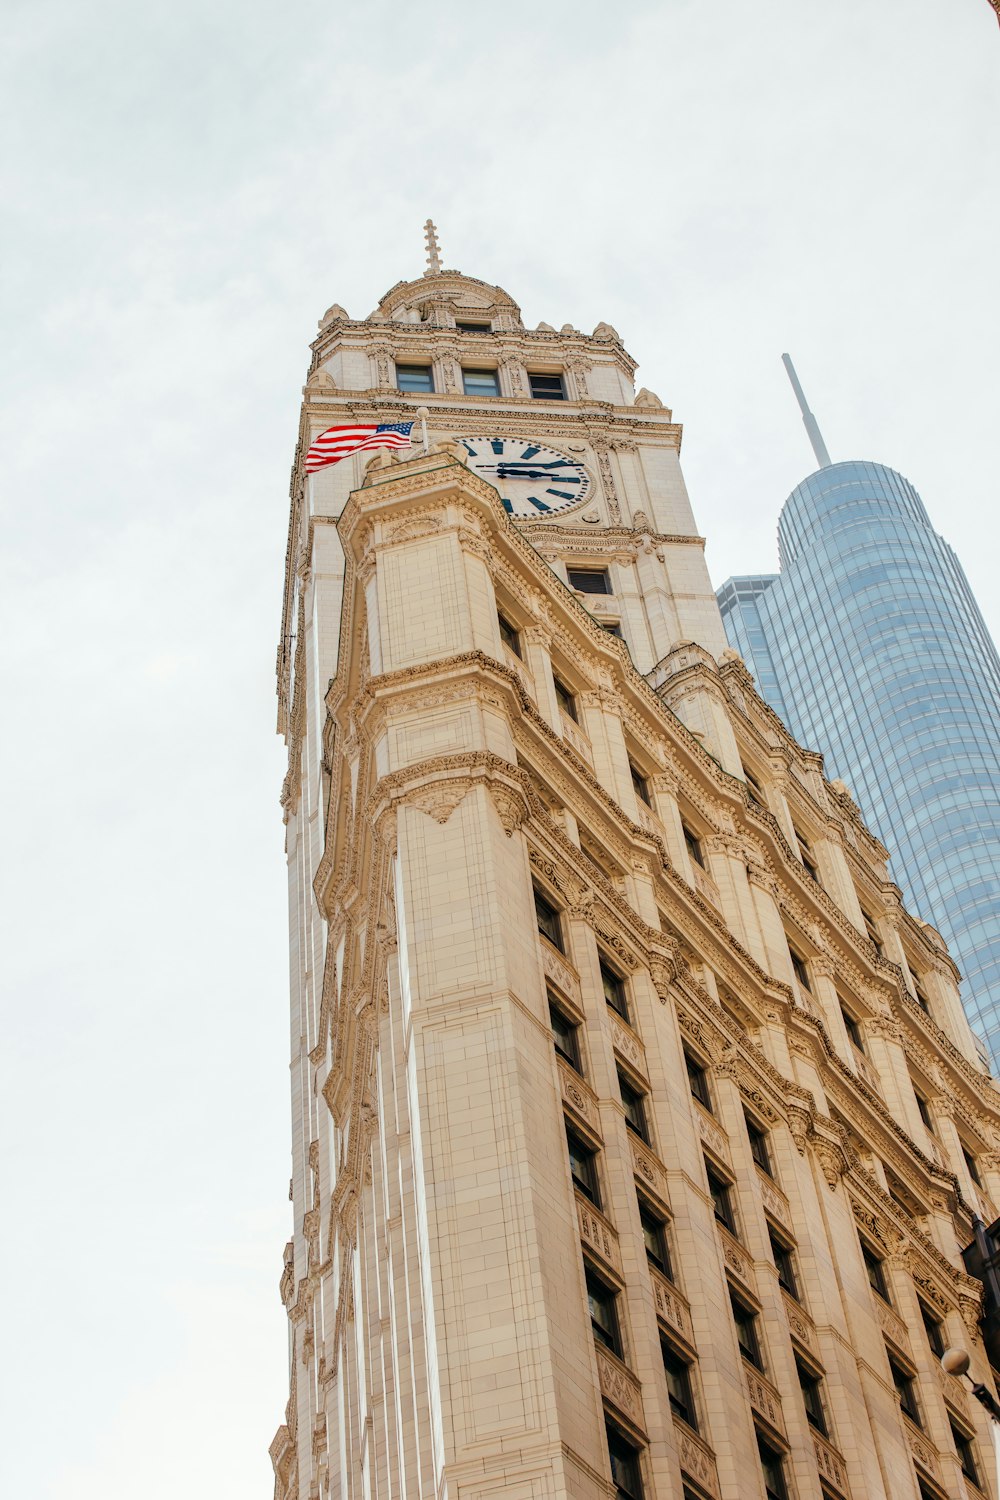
811	425
433	249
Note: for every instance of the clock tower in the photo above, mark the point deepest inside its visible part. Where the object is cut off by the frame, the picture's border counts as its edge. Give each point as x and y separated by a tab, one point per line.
549	940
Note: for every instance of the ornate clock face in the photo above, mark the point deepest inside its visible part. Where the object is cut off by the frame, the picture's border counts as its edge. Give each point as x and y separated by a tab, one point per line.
533	481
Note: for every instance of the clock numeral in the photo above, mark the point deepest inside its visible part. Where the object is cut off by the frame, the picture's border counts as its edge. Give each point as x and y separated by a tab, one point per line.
469	449
563	494
538	504
531	450
507	505
497	445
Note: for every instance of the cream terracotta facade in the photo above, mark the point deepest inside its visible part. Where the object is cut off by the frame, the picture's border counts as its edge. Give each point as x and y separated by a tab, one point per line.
440	1337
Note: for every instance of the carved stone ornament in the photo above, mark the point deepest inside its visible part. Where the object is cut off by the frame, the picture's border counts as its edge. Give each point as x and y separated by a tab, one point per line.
646	397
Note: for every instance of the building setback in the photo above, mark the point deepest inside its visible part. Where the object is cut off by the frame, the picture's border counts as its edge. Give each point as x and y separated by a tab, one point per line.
625	1163
871	647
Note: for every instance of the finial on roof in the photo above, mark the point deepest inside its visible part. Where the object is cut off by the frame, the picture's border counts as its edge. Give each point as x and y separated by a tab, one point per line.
433	249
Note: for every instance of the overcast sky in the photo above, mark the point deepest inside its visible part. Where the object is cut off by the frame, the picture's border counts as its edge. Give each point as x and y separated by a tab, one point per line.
186	189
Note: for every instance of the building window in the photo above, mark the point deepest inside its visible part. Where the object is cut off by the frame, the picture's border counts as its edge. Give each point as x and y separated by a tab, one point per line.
966	1452
414	378
654	1237
624	1458
693	845
784	1260
634	1103
811	1386
546	387
758	1145
906	1389
746	1330
583	1166
614	991
876	1272
464	327
872	932
480	383
678	1372
565	698
698	1081
509	635
772	1466
806	855
853	1030
971	1166
799	969
548	921
924	1111
589	580
932	1328
613	629
754	788
722	1198
921	998
640	784
602	1300
565	1035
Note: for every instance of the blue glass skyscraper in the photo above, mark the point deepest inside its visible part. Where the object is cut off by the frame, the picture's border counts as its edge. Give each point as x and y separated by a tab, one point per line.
870	646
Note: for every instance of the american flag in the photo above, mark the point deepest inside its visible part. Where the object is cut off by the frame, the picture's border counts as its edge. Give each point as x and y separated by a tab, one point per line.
337	442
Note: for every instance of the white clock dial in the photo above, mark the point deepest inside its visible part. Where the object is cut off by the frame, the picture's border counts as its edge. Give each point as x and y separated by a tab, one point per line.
533	481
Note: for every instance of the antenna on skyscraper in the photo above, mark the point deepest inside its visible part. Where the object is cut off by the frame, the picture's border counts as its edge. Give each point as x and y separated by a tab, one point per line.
812	426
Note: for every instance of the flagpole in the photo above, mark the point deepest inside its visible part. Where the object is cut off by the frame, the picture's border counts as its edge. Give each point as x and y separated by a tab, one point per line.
423	414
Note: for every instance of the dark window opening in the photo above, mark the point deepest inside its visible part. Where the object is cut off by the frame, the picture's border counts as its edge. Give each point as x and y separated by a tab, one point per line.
784	1261
906	1390
565	699
589	580
640	784
876	1272
583	1166
509	635
654	1236
722	1199
634	1104
464	327
973	1169
872	932
613	629
754	788
693	846
758	1146
966	1452
414	378
932	1328
624	1458
799	969
746	1330
853	1030
921	998
602	1300
548	921
811	1386
614	991
806	855
924	1111
678	1372
772	1466
566	1035
698	1081
546	387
